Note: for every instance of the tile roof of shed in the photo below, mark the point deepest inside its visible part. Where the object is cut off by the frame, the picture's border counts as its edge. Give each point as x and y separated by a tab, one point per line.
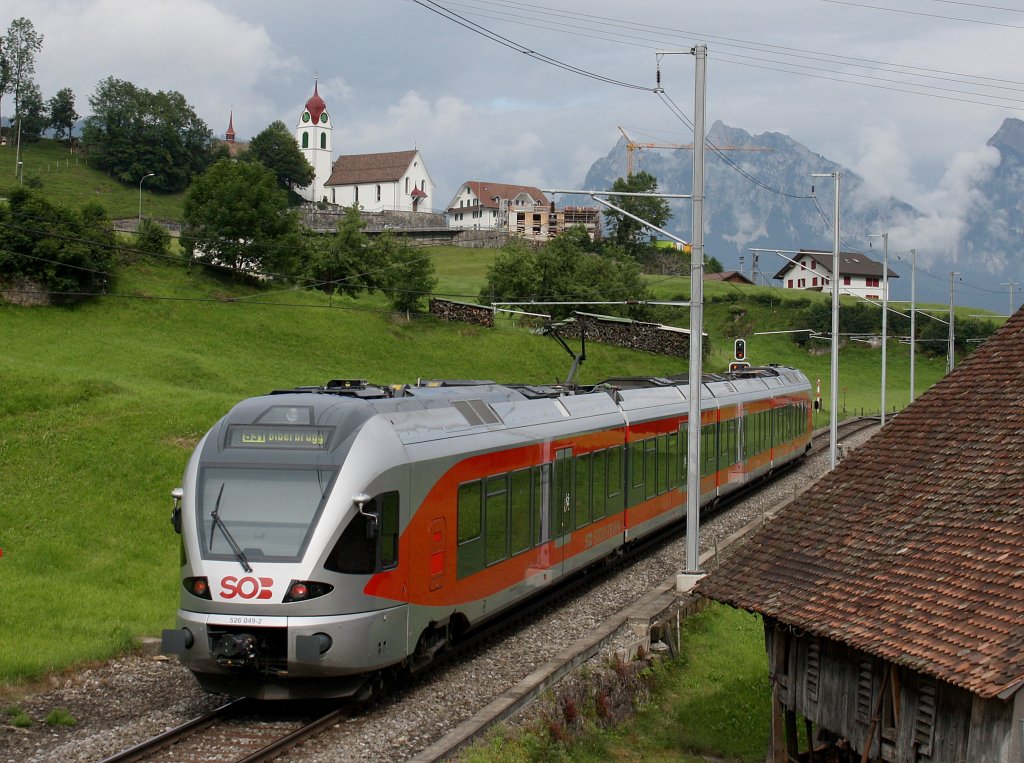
370	168
912	549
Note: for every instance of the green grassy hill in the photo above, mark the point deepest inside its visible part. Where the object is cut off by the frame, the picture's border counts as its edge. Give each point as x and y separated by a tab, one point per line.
67	178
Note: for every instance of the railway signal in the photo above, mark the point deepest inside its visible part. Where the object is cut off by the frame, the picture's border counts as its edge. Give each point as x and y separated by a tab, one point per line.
739	349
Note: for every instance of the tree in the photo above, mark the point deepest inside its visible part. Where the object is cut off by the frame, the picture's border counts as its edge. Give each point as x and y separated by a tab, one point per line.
345	263
133	132
563	270
631	235
62	113
277	149
408	274
20	45
65	250
32	116
236	216
152	237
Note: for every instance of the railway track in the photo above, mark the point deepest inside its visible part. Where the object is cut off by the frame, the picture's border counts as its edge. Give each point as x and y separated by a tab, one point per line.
238	731
243	731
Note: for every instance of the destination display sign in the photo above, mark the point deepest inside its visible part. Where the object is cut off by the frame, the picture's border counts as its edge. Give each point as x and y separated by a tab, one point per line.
285	437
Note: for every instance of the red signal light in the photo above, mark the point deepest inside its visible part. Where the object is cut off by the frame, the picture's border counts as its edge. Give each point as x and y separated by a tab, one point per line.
298	591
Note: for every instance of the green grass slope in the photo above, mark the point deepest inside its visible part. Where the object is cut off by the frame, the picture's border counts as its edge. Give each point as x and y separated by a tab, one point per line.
66	178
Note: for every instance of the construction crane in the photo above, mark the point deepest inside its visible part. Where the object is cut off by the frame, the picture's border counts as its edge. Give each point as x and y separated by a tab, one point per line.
632	145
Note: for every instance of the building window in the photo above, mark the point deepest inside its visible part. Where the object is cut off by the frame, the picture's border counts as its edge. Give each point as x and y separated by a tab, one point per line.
357	194
872	282
305	140
814	264
378	191
789	284
846	280
407	185
814	281
323	140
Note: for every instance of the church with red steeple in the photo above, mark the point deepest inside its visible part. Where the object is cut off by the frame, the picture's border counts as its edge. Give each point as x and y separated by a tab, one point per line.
314	135
389	181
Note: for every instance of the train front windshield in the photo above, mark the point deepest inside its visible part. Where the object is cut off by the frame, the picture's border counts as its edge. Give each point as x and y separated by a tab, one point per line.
267	514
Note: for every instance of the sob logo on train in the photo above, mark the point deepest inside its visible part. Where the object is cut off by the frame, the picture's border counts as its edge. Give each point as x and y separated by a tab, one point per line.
246	588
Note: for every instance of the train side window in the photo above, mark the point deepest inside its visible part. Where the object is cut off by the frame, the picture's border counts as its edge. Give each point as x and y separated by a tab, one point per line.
541	502
598	487
388	503
651	467
582	490
469	511
684	448
519	536
614	465
664	464
636	472
672	456
496	519
708	449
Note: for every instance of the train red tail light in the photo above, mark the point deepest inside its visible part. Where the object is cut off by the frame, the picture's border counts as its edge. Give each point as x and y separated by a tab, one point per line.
301	590
197	587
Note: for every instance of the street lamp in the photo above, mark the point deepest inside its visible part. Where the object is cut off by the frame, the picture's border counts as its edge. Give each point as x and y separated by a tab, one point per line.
140	193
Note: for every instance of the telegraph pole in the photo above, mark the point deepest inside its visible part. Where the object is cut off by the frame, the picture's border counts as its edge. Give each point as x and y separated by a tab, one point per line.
1011	284
913	315
952	353
885	311
700	52
833	421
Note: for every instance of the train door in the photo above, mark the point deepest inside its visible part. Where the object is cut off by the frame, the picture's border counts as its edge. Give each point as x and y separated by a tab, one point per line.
562	498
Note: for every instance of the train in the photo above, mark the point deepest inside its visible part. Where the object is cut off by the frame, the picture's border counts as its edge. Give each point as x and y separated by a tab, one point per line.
333	534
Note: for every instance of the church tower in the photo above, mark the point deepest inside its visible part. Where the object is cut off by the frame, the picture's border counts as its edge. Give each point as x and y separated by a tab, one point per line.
314	135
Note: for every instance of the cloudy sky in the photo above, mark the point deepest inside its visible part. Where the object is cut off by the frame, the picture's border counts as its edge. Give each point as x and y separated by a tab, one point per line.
907	96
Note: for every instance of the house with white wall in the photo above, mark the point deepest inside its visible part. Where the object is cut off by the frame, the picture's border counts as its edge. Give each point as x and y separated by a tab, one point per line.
811	270
480	204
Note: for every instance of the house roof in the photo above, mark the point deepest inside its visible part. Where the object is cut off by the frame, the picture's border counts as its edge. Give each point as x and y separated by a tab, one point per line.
850	264
491	194
370	168
912	548
732	276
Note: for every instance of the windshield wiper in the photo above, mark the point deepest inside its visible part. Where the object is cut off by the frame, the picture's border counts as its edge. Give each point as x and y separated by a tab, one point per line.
218	522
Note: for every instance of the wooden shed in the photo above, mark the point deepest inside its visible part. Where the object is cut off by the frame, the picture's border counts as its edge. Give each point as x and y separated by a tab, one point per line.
892	591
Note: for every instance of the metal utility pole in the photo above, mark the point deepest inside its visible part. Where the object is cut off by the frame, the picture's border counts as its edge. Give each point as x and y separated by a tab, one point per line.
913	316
833	421
700	53
885	310
1011	284
952	354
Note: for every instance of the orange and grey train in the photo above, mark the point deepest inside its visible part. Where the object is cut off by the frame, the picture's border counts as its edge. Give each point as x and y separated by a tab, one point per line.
332	534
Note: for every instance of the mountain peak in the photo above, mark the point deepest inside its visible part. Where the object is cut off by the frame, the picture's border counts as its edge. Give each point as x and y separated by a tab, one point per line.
1009	138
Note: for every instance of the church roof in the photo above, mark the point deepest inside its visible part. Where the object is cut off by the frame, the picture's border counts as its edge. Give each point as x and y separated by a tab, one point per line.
315	105
230	134
912	548
384	167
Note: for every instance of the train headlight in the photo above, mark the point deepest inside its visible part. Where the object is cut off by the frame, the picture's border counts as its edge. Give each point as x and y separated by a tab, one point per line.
301	590
197	587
